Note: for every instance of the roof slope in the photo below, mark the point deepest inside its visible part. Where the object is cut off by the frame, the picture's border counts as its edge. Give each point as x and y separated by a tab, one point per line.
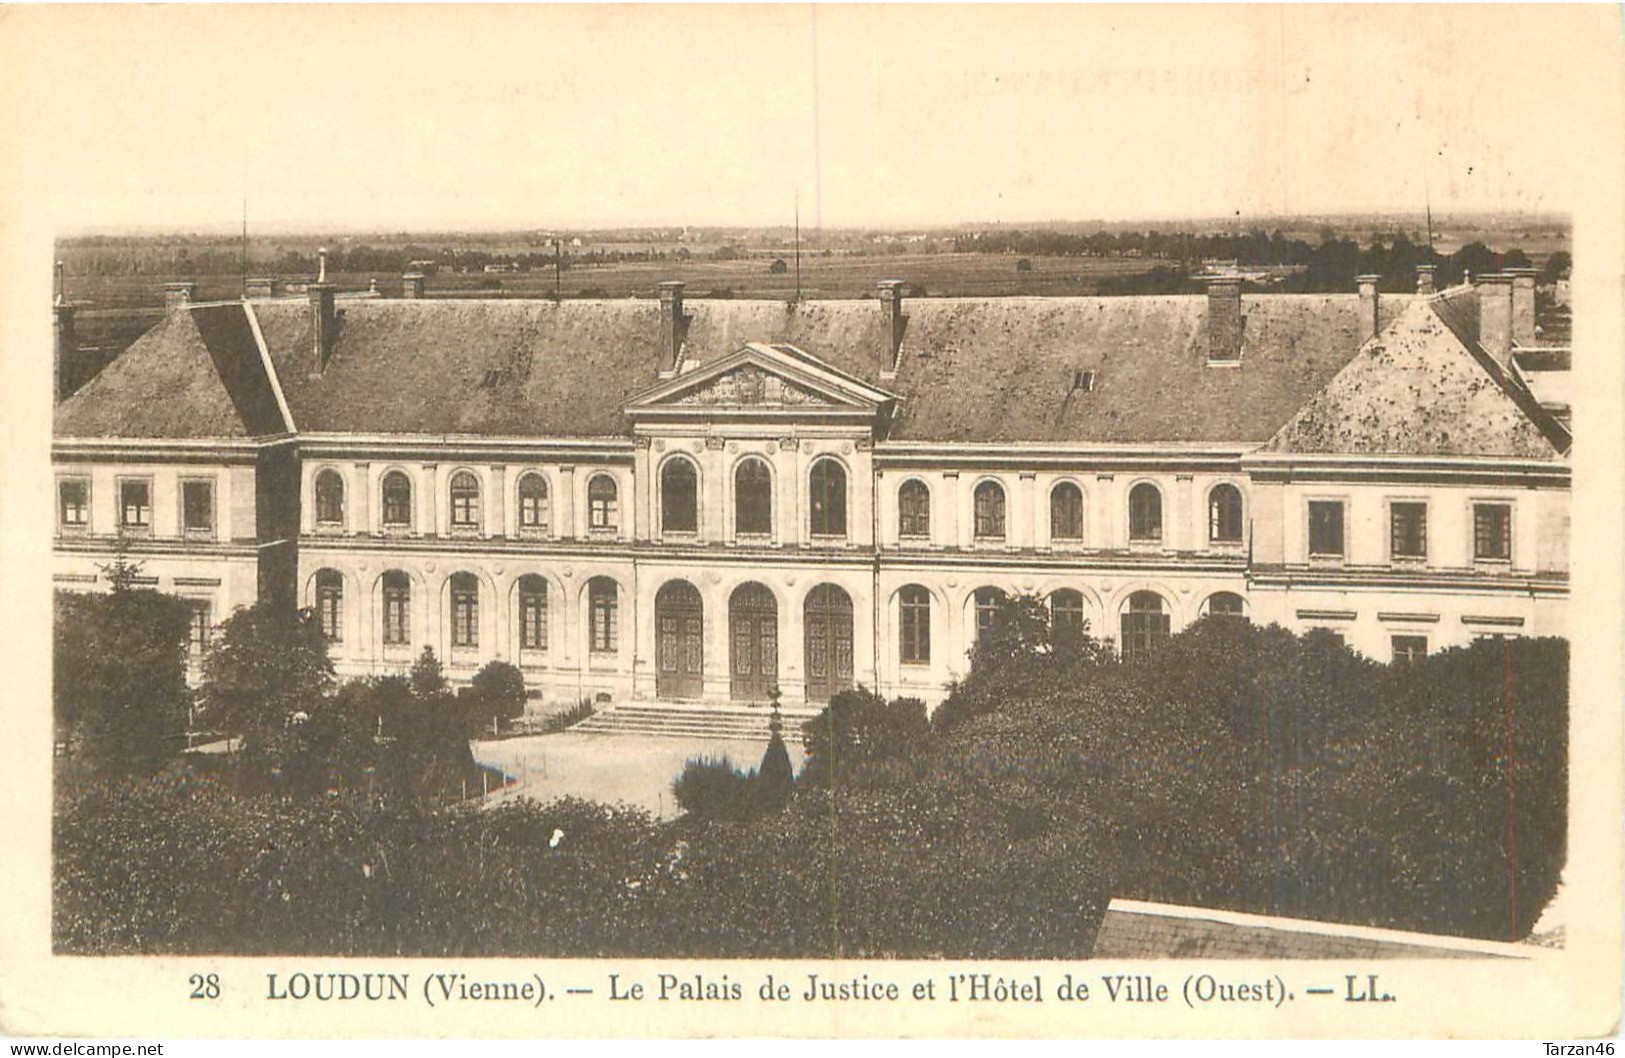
1416	389
972	369
196	374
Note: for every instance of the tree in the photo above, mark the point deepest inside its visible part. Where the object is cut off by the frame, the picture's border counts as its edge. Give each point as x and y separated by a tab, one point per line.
1020	629
428	677
859	725
499	691
1557	266
268	664
119	687
778	267
1025	264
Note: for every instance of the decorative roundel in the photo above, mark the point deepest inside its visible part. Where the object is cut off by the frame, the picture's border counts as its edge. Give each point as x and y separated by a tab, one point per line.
659	446
846	447
429	568
715	576
733	446
698	446
568	572
497	570
953	583
790	580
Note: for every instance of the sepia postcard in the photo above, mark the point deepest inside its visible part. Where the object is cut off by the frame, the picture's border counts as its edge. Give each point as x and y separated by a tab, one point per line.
913	521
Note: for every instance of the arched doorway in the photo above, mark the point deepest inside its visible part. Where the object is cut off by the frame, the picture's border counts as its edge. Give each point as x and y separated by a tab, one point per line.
753	619
828	621
679	641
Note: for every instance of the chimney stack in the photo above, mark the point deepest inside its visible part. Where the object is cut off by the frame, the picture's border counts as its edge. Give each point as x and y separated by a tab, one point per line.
1523	305
264	287
1223	319
1368	306
1425	280
178	295
1495	316
412	286
64	348
893	322
673	325
323	322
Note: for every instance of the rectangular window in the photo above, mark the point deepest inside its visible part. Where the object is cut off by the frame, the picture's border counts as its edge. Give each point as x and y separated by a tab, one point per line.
197	640
532	621
465	619
604	632
1408	523
73	503
1326	527
1492	532
197	507
135	505
1409	649
397	615
916	630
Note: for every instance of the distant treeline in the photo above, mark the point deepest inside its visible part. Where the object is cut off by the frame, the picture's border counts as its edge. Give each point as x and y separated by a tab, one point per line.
1329	265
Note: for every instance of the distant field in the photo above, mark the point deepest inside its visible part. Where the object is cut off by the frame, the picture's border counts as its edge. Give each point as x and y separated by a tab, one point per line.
843	276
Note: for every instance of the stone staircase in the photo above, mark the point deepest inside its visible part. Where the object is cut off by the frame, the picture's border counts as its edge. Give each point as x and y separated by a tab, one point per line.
694	720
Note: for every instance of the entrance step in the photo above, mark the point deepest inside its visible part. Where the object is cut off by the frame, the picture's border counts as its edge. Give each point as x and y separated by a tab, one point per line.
694	720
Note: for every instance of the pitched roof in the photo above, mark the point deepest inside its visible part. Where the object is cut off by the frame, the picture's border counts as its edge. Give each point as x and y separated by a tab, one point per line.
197	374
971	369
1419	389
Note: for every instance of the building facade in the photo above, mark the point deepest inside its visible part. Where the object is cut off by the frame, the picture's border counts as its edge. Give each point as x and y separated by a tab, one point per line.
670	499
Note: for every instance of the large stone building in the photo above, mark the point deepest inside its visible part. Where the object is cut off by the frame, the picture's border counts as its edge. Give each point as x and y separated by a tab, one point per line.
704	499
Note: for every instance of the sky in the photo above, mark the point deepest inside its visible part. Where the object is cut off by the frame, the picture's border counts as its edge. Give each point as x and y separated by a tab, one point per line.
386	118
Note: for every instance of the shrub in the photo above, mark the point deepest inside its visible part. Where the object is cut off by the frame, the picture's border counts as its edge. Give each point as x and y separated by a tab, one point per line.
499	690
858	725
569	718
712	788
775	778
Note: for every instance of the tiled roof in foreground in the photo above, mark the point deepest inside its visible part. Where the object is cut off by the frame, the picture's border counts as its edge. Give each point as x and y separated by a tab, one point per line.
972	369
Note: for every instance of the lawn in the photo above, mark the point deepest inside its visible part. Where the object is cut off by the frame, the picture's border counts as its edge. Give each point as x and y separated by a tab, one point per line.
631	769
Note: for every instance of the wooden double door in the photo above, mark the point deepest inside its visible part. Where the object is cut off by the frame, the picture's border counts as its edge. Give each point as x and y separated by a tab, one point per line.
679	641
827	619
753	627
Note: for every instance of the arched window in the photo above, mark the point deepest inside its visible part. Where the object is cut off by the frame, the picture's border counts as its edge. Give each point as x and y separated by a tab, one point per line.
603	615
1067	624
914	625
603	505
914	510
397	499
465	611
828	501
1226	604
397	608
330	603
535	514
1224	515
679	497
1145	513
989	503
1066	512
988	602
329	498
532	612
1145	625
465	500
753	498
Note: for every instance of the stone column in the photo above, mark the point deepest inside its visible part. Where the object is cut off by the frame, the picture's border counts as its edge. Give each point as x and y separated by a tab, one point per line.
948	507
360	501
567	503
1029	492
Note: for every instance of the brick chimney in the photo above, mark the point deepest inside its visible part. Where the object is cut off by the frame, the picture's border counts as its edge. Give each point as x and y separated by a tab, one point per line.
179	294
892	325
1495	316
412	286
1426	281
323	321
673	325
1368	306
65	347
264	287
1224	323
1523	305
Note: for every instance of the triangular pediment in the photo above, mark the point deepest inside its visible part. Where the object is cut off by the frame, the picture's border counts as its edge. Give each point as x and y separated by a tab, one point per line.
762	378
